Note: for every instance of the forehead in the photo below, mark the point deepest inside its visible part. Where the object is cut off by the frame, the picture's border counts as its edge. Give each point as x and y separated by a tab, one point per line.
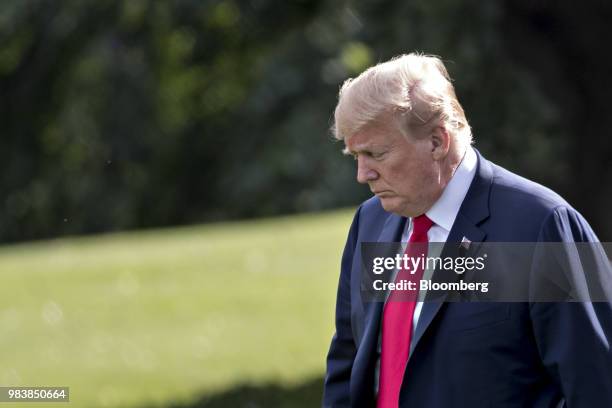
371	136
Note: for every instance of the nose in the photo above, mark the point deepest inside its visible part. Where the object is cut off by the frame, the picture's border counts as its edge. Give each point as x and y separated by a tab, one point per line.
365	173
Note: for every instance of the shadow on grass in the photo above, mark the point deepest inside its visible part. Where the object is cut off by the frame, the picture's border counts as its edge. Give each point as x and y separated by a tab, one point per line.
307	394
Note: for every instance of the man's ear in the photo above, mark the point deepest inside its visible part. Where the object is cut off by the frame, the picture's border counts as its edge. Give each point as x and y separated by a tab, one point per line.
440	142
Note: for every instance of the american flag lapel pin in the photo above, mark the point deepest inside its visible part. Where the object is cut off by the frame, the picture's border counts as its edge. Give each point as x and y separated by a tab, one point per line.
465	243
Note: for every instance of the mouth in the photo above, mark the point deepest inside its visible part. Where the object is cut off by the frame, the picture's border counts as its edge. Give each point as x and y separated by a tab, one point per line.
381	193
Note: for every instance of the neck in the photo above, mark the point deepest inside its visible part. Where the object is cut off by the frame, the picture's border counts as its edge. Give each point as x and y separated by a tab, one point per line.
447	168
449	165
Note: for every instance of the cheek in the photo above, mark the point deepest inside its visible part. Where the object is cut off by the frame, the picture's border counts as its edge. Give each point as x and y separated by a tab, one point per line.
396	177
407	176
413	180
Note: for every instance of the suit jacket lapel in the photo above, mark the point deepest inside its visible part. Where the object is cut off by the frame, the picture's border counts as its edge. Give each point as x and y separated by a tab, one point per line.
474	210
368	347
391	232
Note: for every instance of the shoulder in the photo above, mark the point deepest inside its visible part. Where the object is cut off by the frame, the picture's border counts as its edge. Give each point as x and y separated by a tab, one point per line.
514	192
370	217
534	210
372	208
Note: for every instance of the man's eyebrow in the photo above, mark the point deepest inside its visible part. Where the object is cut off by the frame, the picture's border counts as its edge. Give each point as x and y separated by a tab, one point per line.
362	149
347	152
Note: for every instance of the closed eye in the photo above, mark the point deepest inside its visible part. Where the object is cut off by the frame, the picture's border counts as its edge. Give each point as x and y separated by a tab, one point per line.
378	155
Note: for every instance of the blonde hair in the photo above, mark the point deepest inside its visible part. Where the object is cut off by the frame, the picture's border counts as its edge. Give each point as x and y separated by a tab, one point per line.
414	90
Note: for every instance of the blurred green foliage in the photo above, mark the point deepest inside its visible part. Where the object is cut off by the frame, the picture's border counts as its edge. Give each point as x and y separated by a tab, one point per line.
129	114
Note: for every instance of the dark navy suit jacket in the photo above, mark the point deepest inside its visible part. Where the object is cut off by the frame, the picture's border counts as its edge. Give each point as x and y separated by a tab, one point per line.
479	354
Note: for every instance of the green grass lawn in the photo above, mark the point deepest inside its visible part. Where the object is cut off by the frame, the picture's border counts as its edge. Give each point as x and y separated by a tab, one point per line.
173	316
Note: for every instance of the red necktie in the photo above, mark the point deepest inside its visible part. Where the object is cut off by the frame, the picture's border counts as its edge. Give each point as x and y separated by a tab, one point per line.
397	319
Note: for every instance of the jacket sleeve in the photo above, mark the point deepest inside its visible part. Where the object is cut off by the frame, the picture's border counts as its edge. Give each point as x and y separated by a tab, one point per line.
574	338
342	350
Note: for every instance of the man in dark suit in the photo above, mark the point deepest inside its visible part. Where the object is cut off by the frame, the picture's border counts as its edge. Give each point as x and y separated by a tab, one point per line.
408	133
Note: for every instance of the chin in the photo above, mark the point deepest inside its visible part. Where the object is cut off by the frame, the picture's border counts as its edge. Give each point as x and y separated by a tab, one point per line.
390	205
395	206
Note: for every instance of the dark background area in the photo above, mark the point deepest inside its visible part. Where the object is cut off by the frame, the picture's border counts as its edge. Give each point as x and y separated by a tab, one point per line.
133	114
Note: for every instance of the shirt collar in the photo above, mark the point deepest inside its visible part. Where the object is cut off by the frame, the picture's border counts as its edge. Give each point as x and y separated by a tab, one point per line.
445	210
